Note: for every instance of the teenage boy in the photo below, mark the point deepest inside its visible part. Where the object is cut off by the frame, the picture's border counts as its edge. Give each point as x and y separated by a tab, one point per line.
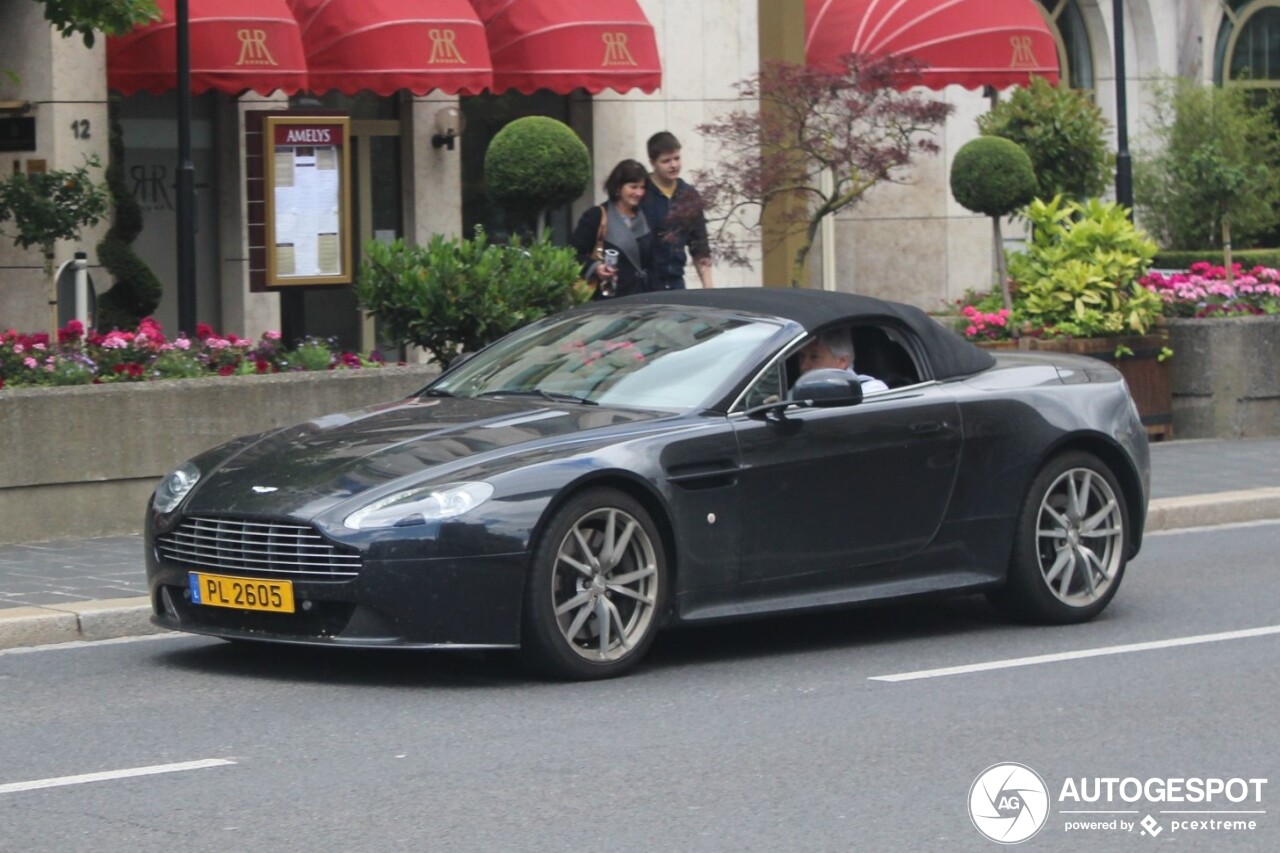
673	242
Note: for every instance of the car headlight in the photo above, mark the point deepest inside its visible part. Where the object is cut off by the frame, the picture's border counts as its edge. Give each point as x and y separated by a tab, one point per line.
418	506
175	486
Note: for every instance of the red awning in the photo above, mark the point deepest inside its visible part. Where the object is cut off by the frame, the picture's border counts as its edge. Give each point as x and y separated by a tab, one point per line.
236	45
564	45
970	43
386	45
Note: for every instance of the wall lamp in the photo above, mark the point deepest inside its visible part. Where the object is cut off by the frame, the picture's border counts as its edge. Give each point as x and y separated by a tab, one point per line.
449	125
15	107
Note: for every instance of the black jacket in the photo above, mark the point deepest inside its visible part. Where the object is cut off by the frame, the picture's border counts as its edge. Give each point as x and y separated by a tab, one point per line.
632	278
671	240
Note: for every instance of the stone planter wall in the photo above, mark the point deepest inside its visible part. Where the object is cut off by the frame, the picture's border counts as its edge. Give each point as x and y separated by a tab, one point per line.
1226	377
82	461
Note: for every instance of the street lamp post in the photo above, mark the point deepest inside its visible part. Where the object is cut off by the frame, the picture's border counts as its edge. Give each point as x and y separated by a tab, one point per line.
1124	164
186	180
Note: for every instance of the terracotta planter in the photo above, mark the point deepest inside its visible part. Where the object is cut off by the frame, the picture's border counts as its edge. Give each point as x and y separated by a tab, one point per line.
1147	375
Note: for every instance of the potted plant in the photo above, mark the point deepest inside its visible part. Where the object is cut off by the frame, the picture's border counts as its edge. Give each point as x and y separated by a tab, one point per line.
1077	288
994	176
534	165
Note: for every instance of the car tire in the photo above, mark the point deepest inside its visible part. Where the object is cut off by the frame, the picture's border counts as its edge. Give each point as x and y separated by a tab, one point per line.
1071	543
597	587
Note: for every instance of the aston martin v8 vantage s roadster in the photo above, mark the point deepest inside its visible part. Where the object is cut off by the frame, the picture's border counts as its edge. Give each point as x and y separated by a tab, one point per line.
663	459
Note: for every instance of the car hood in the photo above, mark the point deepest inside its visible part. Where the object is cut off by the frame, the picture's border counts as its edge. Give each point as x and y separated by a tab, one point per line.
307	468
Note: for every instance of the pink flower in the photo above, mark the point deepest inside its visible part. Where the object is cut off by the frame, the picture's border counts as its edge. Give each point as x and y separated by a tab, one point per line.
30	362
70	333
271	336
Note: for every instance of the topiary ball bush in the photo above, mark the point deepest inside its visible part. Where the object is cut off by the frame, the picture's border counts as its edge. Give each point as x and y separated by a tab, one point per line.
536	163
993	176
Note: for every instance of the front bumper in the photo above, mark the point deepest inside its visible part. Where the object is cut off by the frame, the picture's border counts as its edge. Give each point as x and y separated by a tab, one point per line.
446	602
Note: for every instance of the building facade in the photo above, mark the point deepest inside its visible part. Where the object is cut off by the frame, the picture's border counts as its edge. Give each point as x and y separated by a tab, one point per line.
910	242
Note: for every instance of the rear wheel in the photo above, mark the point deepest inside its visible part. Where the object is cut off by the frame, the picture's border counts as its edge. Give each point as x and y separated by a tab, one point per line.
598	583
1071	543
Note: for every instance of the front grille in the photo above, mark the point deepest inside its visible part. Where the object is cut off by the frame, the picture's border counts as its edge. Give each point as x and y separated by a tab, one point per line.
257	548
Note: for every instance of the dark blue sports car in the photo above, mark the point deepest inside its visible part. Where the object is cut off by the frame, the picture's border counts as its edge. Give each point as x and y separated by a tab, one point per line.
660	459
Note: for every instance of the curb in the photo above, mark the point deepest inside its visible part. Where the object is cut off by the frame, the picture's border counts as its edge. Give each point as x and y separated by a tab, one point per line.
88	621
1209	510
84	621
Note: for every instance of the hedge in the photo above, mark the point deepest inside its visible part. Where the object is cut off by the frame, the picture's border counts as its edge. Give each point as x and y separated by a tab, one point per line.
1247	258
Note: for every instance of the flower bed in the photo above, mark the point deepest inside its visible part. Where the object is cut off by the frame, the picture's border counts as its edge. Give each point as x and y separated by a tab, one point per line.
1204	291
77	358
82	461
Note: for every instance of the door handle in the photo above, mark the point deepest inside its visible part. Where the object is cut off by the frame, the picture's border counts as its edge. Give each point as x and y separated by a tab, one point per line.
926	427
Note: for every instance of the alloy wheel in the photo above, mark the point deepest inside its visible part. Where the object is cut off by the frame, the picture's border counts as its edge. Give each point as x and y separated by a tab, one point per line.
1079	537
604	584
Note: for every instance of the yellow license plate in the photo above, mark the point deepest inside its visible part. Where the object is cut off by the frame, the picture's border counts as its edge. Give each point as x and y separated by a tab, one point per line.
241	593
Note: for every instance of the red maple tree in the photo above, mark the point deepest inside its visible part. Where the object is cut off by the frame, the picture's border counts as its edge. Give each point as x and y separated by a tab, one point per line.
861	126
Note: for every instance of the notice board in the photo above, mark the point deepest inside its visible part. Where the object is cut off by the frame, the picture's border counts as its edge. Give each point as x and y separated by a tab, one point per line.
308	200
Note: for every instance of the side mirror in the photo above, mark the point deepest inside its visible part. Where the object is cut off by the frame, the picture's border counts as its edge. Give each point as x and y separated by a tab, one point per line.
827	387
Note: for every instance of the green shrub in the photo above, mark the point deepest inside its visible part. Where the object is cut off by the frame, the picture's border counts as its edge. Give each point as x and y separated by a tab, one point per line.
536	164
1207	172
455	295
993	176
1170	259
177	364
1079	275
1062	131
312	355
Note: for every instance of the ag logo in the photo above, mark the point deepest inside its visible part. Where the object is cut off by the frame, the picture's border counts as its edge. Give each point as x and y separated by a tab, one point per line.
1008	803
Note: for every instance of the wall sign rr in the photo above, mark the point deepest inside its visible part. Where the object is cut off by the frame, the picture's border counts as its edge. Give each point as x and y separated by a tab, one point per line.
308	200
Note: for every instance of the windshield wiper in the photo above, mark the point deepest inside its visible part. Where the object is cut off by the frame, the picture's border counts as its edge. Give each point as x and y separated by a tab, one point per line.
554	396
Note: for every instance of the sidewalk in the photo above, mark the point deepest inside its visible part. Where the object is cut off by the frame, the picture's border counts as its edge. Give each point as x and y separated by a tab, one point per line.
94	589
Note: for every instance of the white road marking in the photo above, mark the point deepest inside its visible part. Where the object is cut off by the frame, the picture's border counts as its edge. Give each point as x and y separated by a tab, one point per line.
1212	528
58	782
1035	660
86	644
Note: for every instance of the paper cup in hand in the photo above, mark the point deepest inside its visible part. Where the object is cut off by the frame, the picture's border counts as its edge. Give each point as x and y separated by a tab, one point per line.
611	258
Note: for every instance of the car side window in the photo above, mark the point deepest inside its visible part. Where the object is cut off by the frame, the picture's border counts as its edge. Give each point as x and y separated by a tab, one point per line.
879	353
768	388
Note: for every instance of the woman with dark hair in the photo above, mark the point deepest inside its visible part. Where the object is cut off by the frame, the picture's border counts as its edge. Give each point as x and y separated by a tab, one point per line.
613	240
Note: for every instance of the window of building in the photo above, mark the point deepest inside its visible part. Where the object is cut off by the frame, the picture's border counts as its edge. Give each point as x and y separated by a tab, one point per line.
1247	52
1075	55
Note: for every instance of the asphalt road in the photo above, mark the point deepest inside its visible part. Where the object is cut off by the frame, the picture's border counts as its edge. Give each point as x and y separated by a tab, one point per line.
772	735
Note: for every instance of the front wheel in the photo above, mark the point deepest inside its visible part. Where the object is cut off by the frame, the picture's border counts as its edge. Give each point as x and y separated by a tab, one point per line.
597	586
1071	543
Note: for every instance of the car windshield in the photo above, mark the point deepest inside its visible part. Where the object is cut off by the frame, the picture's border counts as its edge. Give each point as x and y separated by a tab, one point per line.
643	357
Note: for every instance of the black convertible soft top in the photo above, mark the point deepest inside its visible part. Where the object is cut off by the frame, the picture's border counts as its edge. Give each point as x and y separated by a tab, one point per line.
949	354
